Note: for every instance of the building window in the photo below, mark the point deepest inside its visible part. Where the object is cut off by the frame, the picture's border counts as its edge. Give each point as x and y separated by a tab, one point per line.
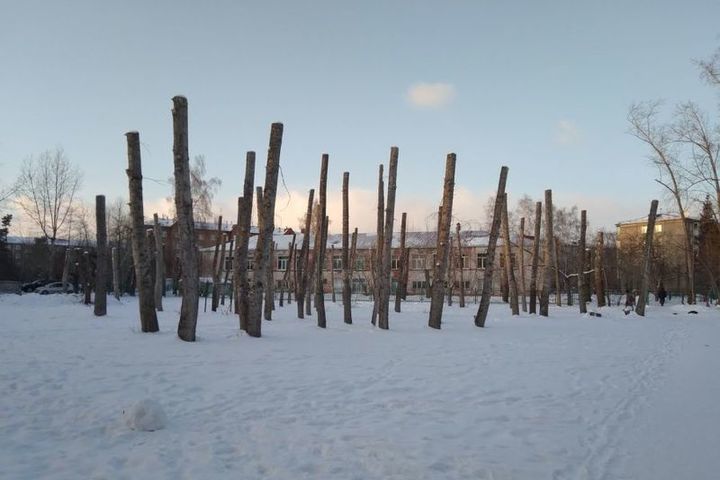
282	263
250	265
658	228
419	285
360	263
481	259
417	262
337	262
228	263
395	263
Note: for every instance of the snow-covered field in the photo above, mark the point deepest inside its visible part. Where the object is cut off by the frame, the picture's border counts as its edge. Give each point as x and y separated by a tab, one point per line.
565	397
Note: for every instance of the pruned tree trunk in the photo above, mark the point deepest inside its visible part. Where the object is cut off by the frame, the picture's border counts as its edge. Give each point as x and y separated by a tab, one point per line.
227	271
507	248
302	270
190	275
428	283
460	266
320	243
399	291
353	254
116	272
141	258
240	265
377	262
600	270
159	264
443	244
484	307
548	261
87	276
581	262
333	299
347	269
521	266
556	267
101	266
216	266
504	281
386	272
66	267
535	258
647	259
266	225
269	291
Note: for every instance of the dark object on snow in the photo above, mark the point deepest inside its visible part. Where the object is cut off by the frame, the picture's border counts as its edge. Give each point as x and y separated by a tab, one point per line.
595	314
694	312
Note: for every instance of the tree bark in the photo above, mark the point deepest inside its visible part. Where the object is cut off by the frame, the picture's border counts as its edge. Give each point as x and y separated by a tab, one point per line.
347	286
216	266
647	259
581	262
384	310
460	266
507	248
333	299
556	267
484	307
443	244
141	258
521	266
101	267
377	262
535	258
399	291
227	271
269	290
116	272
320	243
301	272
600	270
266	225
159	264
240	265
189	261
548	261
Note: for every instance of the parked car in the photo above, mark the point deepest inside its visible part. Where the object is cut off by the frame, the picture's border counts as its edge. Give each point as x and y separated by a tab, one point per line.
32	286
55	287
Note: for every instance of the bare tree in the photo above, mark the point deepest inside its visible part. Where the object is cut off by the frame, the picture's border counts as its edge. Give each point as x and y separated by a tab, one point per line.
202	189
549	260
484	307
266	225
346	268
507	249
46	190
385	271
186	224
141	257
660	138
443	244
710	68
645	279
581	262
535	257
100	307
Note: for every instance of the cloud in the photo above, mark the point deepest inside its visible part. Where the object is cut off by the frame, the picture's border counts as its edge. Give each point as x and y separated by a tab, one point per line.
430	95
567	133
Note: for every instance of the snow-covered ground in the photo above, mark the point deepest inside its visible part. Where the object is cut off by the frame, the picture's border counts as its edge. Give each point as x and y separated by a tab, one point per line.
565	397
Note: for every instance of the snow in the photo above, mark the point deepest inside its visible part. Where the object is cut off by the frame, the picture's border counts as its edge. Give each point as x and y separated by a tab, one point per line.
146	415
566	397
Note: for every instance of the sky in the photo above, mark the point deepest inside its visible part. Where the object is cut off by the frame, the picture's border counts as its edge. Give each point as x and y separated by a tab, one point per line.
541	87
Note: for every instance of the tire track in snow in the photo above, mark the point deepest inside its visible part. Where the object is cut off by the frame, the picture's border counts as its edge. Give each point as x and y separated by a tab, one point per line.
602	456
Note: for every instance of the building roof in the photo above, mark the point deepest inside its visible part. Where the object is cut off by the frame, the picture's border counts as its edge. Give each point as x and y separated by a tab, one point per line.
59	242
661	217
366	241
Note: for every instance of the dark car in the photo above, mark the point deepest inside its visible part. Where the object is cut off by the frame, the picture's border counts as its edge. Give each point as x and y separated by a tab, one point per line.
32	286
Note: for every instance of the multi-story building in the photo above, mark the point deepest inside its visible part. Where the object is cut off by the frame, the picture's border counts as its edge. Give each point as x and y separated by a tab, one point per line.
669	248
467	266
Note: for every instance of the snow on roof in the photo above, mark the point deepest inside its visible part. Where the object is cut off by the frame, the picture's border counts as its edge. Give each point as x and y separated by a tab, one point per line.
367	241
665	216
59	242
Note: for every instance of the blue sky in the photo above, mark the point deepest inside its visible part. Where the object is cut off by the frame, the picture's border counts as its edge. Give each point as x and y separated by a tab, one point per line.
542	87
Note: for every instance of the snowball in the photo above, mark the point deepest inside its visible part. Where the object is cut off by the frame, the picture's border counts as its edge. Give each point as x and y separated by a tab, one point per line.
146	415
